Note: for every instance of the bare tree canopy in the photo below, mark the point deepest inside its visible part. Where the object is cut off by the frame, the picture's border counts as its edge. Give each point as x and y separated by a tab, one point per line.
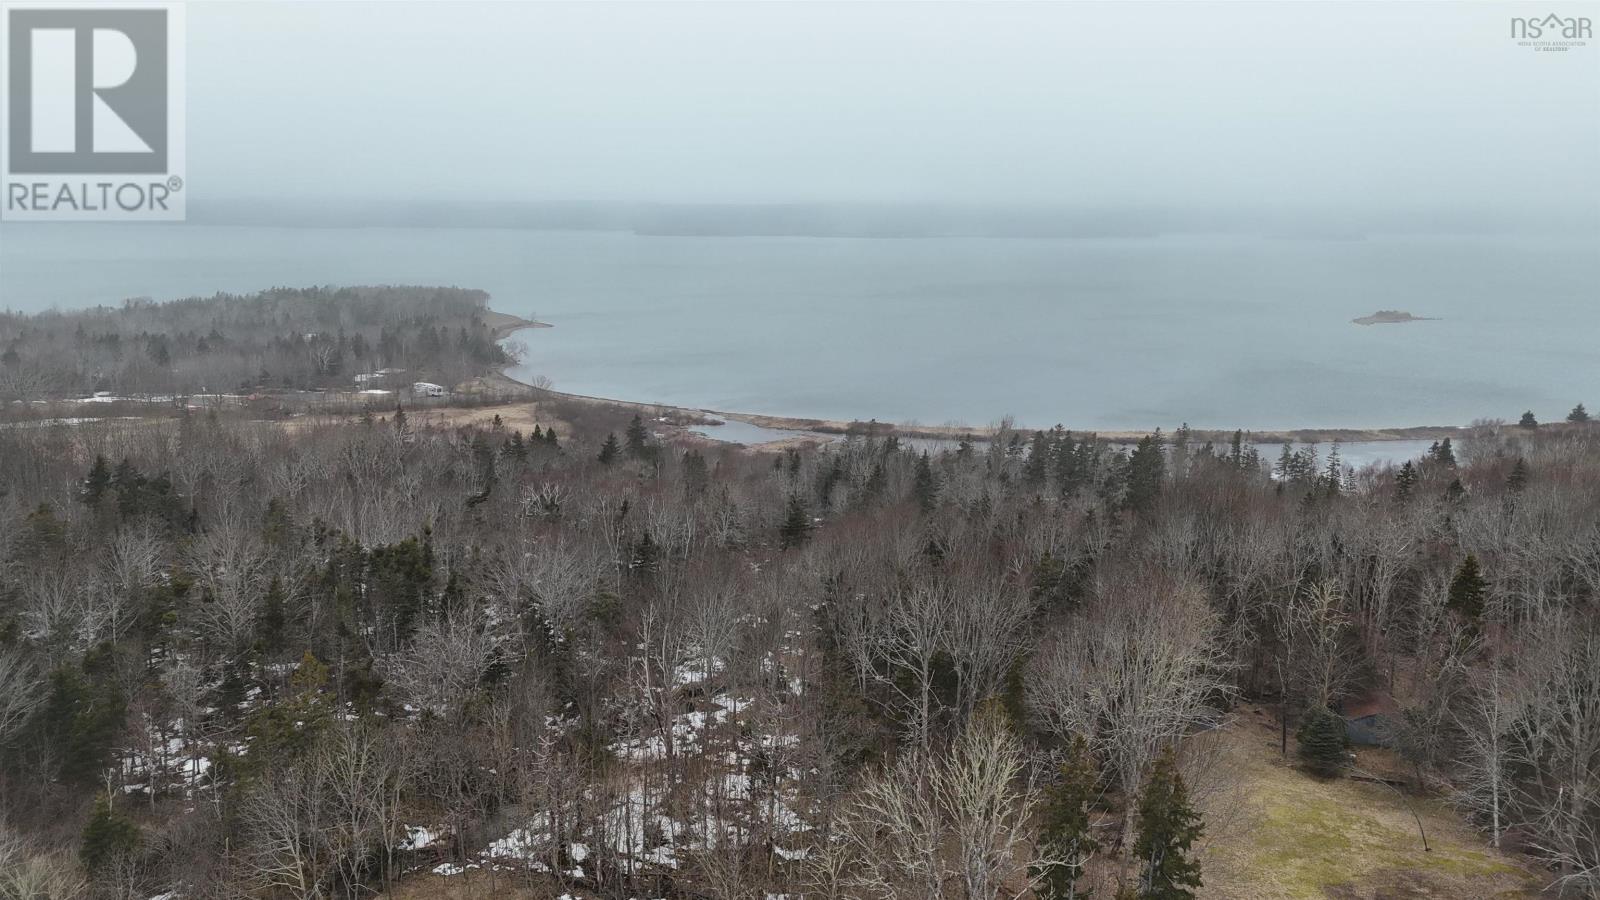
330	655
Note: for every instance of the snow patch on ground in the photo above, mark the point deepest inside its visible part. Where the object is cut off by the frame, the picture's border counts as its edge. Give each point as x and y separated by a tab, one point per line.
727	780
418	837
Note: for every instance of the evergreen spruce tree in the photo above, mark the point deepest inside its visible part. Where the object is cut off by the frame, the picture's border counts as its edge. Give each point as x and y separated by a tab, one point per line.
1286	463
877	482
1456	492
80	717
235	681
1035	470
1252	459
1528	421
1070	465
1147	468
1443	453
1518	479
1405	481
1179	456
107	835
97	482
609	450
128	484
1333	477
1305	463
924	487
1051	585
1467	590
636	440
646	558
796	525
43	531
483	459
550	438
277	526
286	730
696	476
400	581
273	622
1579	415
1065	836
1322	742
828	476
1168	827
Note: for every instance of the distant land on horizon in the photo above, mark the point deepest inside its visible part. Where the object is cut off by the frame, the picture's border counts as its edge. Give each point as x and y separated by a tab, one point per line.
1392	317
877	221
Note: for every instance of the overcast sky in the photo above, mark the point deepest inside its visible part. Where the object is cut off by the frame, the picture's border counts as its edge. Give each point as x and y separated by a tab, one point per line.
1346	105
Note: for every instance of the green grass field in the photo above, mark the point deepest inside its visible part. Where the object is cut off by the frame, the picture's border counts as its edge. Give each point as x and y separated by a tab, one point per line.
1281	833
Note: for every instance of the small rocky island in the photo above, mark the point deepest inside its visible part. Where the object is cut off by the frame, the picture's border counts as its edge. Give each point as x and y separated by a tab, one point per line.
1389	317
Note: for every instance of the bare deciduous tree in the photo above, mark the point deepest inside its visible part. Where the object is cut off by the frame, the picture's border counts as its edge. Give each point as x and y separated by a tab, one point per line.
1314	630
1558	738
29	874
1487	722
898	650
1143	667
440	670
21	690
231	565
951	824
986	635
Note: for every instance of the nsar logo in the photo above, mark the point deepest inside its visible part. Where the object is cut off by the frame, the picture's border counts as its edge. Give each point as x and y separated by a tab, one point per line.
1552	33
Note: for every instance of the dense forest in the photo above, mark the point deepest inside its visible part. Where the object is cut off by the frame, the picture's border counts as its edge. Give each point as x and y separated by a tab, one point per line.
239	659
281	339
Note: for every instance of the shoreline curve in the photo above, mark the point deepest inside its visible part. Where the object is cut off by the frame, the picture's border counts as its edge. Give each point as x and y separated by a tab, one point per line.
506	325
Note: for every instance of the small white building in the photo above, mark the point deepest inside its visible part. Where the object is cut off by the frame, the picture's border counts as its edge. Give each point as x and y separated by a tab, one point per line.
380	375
427	389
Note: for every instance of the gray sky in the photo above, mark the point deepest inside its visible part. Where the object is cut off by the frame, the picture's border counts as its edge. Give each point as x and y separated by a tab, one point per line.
1342	105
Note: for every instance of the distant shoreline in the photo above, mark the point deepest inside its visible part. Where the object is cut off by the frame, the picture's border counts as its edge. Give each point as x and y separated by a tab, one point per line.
504	325
835	427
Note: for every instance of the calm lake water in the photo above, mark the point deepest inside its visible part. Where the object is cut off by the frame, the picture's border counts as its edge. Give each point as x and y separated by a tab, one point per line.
1218	331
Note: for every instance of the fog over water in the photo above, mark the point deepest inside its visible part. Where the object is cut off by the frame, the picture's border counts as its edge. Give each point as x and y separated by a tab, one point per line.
1104	215
1363	110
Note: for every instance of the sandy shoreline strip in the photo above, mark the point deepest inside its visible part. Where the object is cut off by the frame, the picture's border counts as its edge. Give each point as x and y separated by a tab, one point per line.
505	325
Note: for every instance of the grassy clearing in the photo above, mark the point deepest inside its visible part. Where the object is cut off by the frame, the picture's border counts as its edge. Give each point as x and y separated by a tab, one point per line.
1284	834
513	417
